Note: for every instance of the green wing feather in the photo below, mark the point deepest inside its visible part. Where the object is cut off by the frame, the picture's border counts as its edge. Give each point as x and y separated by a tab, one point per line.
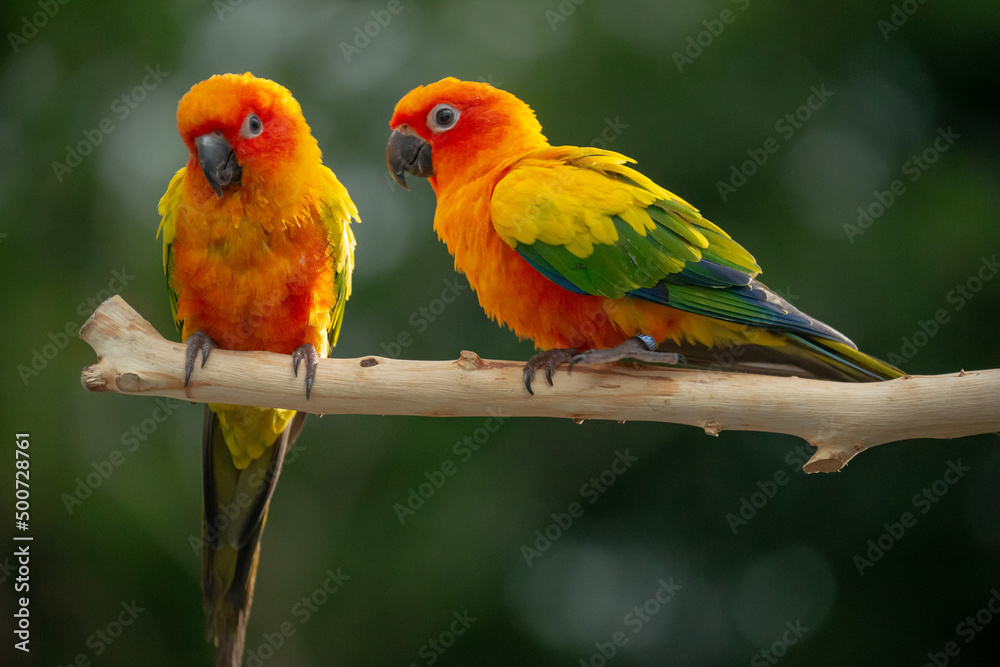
593	225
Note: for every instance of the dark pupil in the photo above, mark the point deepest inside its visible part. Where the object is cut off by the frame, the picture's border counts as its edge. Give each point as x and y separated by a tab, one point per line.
445	116
255	125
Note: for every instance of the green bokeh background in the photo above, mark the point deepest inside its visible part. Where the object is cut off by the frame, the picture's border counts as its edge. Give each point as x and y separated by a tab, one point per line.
63	236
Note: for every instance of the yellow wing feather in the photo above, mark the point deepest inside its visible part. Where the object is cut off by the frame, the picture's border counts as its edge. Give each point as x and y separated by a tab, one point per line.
567	196
167	208
337	210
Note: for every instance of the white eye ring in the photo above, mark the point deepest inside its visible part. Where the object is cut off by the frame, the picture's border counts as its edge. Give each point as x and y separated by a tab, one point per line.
252	126
442	118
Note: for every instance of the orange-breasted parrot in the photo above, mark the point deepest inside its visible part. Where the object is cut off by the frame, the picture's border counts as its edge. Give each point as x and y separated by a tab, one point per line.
589	258
258	253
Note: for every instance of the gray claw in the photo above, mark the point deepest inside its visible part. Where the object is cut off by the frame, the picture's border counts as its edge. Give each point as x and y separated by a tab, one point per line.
311	357
197	340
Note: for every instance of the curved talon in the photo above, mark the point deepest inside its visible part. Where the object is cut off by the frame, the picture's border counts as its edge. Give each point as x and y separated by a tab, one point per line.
549	360
308	352
197	340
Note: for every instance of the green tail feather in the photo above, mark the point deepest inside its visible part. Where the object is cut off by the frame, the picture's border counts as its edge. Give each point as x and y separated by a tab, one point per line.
231	544
853	364
801	356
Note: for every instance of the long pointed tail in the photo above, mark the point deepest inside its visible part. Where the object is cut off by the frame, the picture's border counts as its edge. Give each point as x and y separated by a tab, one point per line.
786	354
845	362
235	510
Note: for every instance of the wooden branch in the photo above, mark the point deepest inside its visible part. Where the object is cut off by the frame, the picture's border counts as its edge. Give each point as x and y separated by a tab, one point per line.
839	418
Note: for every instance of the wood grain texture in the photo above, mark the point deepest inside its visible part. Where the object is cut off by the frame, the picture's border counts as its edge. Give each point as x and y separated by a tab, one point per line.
840	419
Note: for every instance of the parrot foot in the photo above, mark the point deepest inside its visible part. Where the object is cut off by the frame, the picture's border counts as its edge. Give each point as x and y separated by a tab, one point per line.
549	360
311	357
199	340
640	348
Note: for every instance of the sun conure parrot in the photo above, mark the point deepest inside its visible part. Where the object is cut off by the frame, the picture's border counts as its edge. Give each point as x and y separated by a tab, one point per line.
581	253
258	253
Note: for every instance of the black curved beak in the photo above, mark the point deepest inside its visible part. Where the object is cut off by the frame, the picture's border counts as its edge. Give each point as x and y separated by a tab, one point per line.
218	162
407	152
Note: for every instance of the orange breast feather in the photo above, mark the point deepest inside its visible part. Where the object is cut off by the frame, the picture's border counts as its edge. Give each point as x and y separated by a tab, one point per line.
253	284
515	294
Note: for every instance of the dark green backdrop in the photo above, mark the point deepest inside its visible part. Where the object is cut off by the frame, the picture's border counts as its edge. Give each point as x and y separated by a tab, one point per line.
701	93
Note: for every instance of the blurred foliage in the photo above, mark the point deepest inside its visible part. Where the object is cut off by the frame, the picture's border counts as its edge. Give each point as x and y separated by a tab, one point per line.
584	67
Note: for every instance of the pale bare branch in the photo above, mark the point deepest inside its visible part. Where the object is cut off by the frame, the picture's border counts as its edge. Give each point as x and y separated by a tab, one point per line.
840	419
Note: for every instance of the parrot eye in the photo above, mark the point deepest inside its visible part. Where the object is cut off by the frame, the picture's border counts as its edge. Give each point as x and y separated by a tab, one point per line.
442	118
252	126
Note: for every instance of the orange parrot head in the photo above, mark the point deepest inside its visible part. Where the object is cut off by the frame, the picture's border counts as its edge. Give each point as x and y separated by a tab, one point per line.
244	133
453	127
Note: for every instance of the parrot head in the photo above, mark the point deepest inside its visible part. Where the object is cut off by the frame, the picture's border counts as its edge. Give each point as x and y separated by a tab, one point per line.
457	127
243	132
